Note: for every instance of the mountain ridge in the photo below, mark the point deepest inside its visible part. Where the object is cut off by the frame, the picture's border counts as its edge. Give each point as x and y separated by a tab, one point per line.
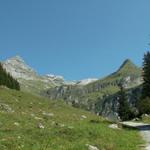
89	94
128	65
92	96
28	78
31	81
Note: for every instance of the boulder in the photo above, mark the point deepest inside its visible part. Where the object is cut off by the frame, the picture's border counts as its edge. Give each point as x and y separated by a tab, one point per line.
90	147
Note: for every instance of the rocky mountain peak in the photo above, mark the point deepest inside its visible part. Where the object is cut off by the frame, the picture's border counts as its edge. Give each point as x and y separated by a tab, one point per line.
18	58
15	60
128	66
128	62
17	67
28	78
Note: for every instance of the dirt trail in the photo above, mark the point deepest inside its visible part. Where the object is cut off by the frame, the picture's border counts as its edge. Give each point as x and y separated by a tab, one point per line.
144	131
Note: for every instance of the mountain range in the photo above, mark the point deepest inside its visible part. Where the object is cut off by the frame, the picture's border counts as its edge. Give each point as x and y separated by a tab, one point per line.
98	95
31	81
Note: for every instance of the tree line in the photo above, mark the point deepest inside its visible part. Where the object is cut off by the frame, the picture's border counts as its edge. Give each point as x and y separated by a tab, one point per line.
7	80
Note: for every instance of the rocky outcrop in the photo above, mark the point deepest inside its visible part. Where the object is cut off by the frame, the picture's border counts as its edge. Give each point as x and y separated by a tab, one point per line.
108	106
28	78
18	69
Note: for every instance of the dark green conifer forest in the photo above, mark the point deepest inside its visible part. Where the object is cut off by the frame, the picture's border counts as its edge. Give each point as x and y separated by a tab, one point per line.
7	80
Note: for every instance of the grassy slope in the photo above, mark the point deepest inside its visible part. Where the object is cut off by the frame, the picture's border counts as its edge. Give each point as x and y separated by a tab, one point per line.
127	69
34	86
66	130
146	119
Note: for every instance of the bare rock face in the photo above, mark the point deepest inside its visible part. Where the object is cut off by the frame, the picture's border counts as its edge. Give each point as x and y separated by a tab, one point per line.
31	81
19	69
28	78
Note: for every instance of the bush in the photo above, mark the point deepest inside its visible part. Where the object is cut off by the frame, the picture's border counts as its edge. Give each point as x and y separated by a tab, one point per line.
144	106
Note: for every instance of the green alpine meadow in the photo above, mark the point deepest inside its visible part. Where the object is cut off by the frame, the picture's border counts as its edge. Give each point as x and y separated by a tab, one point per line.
37	123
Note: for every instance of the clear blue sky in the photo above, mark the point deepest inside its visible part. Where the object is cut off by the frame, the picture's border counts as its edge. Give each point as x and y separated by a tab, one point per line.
75	38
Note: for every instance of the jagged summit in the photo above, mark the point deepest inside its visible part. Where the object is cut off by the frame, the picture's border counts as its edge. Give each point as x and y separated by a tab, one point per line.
127	61
128	66
17	67
16	58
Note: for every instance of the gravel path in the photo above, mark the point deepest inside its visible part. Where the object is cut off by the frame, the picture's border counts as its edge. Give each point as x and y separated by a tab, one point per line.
144	131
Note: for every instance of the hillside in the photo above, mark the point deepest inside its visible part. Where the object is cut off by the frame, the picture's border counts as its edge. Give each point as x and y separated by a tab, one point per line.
90	95
31	122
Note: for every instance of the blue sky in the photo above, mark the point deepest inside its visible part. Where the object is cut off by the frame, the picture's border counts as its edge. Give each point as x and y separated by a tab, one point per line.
75	38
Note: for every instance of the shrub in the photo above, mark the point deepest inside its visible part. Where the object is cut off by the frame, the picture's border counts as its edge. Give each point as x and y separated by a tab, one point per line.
144	106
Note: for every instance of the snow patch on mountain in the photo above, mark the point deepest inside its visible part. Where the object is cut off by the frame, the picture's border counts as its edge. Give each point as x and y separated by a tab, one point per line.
87	81
54	77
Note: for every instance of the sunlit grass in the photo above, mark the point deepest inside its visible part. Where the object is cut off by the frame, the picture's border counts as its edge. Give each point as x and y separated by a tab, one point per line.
65	128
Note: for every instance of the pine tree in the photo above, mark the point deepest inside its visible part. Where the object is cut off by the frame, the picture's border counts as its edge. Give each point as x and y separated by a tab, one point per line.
144	103
124	110
146	76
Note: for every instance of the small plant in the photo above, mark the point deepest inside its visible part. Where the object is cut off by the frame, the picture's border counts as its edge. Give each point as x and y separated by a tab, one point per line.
144	106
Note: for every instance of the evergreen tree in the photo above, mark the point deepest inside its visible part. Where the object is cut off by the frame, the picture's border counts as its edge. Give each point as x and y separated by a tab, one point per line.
144	103
124	110
7	80
146	76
